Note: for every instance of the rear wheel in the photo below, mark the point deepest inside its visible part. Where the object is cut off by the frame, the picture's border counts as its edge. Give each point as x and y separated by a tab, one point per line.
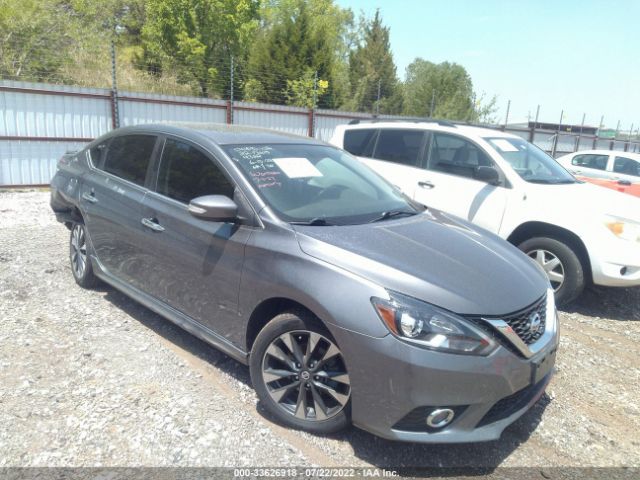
299	374
79	258
561	264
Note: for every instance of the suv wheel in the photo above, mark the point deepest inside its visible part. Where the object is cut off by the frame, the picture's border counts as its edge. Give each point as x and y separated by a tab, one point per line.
561	264
299	374
80	262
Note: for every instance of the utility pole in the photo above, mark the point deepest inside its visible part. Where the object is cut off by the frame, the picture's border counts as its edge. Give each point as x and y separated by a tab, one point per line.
378	100
532	132
115	116
584	115
312	126
554	148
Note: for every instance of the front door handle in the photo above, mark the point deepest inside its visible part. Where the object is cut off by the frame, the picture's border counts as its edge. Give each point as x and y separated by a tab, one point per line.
153	224
426	184
89	197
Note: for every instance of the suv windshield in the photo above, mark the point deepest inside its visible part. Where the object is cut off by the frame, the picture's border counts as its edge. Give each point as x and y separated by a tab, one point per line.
318	185
531	163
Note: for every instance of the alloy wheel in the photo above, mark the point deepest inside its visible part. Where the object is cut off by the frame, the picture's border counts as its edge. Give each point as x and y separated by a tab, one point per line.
305	375
551	265
78	250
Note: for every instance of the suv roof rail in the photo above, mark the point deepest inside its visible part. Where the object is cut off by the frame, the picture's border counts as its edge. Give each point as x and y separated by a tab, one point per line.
443	123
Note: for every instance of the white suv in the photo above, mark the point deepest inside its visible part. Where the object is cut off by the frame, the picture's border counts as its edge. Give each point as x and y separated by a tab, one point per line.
576	231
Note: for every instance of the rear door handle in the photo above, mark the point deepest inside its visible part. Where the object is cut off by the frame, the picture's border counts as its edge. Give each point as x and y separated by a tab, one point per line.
89	197
153	224
426	184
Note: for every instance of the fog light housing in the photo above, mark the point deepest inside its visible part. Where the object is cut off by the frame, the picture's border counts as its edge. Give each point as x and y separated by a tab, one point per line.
440	417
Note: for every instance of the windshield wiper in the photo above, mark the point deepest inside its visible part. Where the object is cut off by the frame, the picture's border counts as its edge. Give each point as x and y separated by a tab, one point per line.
315	222
548	181
392	213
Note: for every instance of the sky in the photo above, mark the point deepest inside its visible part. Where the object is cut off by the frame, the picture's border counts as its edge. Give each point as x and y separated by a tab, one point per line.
578	56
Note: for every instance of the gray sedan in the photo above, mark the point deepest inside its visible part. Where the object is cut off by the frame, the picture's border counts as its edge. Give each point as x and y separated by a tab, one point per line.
349	302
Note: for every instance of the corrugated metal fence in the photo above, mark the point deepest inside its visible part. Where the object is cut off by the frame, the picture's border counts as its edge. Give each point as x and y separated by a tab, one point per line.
39	122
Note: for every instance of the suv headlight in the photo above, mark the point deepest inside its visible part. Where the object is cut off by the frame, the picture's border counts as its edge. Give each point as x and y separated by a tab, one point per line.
431	327
622	228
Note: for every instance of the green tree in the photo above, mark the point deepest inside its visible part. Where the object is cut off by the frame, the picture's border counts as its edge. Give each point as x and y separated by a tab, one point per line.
197	38
443	90
298	38
372	69
34	39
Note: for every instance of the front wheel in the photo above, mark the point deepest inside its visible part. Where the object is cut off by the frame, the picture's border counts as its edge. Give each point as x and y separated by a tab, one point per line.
79	258
300	375
561	264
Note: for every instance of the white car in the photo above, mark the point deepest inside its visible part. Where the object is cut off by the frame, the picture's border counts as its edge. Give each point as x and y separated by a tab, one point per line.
613	165
576	231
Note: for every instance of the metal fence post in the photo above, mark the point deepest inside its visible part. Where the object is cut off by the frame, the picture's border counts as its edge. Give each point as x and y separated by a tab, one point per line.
312	111
230	112
506	117
532	133
554	148
115	115
577	147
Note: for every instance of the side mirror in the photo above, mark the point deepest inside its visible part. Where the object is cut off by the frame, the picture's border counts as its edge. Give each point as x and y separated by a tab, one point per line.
487	174
214	207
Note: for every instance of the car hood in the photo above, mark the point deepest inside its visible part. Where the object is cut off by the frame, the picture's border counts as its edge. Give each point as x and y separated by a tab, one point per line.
435	257
584	200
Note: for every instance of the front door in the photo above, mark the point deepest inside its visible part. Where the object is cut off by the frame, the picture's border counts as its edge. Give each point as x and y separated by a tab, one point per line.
447	182
193	265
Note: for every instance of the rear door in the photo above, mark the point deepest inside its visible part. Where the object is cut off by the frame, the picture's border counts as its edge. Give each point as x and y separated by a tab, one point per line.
111	201
447	181
193	265
396	154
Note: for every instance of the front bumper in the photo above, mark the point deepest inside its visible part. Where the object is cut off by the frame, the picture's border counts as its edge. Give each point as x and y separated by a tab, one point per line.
615	262
395	385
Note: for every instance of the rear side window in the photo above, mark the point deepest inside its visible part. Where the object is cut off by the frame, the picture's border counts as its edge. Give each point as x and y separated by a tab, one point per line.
456	156
186	173
128	157
598	162
399	146
626	166
96	154
360	141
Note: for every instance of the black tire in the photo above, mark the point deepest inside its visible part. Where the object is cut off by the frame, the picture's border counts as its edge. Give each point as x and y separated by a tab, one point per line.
294	323
79	257
574	277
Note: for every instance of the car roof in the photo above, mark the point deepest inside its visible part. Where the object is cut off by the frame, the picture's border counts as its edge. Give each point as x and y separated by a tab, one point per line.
435	125
634	156
220	134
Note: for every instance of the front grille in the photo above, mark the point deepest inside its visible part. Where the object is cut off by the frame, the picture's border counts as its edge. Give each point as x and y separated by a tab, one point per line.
521	322
514	402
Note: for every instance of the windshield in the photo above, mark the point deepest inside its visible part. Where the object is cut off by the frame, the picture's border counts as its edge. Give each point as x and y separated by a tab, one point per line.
319	185
531	163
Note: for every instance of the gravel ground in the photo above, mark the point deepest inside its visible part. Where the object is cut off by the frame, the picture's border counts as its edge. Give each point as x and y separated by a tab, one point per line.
91	378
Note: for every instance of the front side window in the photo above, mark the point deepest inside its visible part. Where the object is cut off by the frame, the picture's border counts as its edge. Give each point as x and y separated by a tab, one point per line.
626	166
589	160
303	183
529	162
456	156
187	173
399	146
360	141
128	157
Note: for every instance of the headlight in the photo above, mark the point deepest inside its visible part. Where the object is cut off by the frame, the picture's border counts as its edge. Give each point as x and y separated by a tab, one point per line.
622	228
431	327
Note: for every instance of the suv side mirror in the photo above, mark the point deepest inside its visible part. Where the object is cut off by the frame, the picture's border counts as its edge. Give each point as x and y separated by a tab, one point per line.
214	207
487	174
